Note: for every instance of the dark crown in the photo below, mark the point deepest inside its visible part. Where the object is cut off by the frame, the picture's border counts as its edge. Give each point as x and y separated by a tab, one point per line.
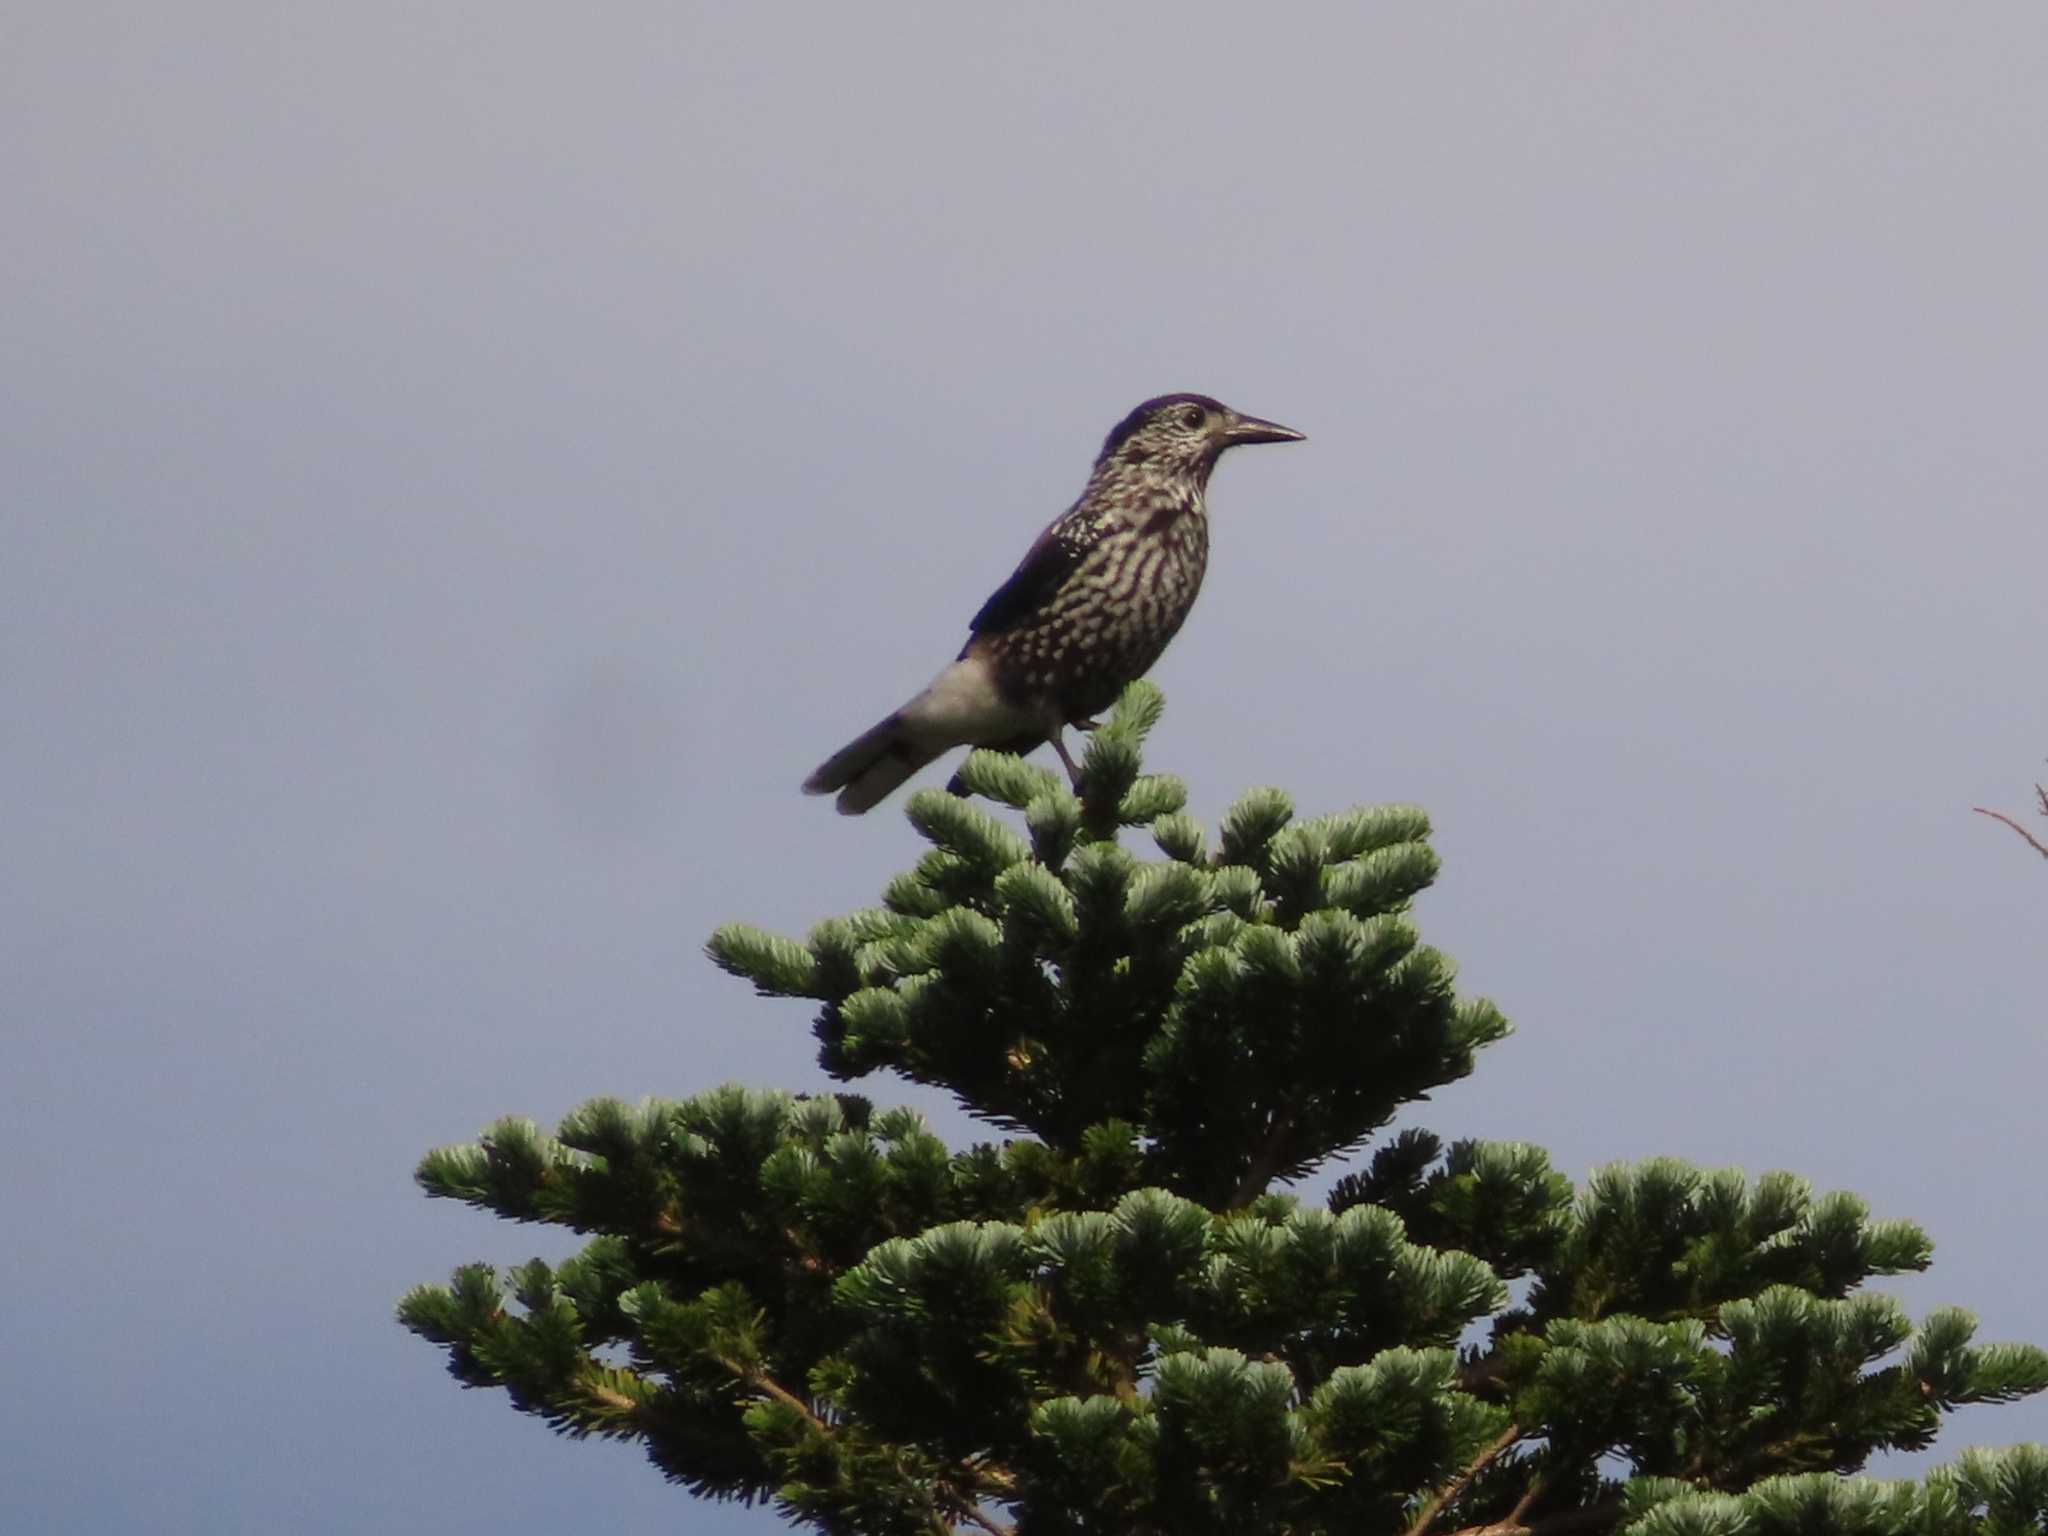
1121	432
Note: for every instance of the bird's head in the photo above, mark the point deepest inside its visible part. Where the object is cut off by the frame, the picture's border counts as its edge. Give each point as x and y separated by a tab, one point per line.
1179	436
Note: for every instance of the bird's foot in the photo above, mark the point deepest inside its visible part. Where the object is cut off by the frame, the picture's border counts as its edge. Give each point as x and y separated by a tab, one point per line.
1073	771
1086	725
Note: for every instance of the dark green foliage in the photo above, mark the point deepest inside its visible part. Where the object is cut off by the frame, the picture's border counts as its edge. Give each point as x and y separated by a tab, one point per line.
1111	1323
1257	1012
1986	1493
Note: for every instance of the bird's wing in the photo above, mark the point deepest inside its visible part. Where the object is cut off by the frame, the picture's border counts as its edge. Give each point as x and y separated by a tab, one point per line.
1048	563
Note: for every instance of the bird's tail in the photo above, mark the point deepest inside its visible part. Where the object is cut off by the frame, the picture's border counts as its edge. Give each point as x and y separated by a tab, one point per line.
963	704
867	768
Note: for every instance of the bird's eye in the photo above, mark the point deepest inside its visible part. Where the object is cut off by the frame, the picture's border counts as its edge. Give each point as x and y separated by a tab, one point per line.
1193	415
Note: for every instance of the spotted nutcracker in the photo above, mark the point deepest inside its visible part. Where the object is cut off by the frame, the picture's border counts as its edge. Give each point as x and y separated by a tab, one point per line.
1089	609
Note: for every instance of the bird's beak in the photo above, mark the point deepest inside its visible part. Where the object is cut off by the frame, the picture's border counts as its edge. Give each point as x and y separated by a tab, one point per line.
1249	429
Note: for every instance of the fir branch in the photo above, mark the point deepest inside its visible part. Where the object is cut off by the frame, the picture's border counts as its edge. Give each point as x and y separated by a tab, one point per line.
984	1480
761	1381
1480	1374
621	1403
1526	1501
1265	1163
999	1481
1492	1452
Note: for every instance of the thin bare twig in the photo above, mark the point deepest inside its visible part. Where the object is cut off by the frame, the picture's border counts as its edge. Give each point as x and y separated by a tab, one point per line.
2033	842
1457	1485
993	1527
2040	802
1605	1513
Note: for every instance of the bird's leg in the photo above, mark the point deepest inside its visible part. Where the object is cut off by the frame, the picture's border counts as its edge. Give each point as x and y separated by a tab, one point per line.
1059	745
1086	725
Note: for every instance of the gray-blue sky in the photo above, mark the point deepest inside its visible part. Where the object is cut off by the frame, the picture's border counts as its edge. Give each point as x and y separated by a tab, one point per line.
464	464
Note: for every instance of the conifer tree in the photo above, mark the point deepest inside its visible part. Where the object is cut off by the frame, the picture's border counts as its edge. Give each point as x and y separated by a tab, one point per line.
1114	1319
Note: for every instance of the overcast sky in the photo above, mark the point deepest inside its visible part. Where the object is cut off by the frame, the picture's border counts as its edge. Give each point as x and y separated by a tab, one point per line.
464	464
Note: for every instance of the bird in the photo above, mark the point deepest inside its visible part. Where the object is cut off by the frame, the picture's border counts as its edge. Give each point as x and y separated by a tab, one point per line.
1090	607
